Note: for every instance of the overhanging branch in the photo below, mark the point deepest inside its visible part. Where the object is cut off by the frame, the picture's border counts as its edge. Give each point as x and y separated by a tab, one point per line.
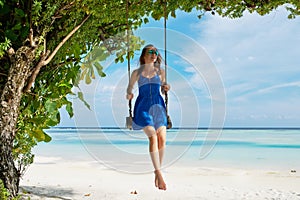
65	40
45	59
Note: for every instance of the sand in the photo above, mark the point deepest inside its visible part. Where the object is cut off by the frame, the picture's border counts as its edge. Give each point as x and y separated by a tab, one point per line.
56	178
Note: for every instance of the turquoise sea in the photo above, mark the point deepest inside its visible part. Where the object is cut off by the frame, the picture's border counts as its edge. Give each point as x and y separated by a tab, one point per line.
125	150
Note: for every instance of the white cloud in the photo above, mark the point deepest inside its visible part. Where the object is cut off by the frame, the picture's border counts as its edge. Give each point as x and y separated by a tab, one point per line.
269	39
270	89
190	69
258	62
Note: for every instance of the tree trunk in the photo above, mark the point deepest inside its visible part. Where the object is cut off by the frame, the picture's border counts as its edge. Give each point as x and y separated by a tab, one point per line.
9	112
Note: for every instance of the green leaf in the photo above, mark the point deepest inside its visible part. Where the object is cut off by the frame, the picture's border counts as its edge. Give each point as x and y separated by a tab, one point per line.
88	79
50	106
11	35
39	135
19	12
68	85
80	96
17	27
4	9
47	138
92	73
99	69
84	72
146	20
173	14
70	109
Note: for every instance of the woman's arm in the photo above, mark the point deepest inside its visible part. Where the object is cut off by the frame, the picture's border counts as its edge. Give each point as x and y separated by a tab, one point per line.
164	86
133	79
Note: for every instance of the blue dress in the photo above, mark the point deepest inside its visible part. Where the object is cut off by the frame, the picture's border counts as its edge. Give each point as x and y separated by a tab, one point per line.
149	108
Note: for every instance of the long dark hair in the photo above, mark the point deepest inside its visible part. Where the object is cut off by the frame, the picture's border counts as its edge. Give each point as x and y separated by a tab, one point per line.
142	59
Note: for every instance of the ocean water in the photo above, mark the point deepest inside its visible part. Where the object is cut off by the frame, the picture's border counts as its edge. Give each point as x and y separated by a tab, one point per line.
125	150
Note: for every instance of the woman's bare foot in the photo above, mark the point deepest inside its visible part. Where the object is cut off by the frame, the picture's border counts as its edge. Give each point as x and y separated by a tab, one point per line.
156	180
159	181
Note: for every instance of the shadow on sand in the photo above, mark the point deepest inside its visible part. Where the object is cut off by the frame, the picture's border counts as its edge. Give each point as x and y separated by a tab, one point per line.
49	193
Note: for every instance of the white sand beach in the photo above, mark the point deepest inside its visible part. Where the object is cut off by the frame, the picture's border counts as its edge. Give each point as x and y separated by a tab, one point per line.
56	178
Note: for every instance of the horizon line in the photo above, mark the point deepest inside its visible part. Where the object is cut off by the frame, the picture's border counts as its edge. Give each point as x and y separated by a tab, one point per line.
176	128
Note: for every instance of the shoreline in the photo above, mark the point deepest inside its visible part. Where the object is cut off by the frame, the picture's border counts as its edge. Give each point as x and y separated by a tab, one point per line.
53	178
249	165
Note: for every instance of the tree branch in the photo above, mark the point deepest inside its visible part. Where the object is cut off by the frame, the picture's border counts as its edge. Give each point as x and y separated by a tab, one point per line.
2	74
65	40
58	13
44	61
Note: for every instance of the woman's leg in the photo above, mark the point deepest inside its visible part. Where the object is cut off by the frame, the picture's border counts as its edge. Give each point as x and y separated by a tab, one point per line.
161	138
155	157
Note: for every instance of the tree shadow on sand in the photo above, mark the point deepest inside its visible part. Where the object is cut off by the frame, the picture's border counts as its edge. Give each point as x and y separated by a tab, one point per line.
49	193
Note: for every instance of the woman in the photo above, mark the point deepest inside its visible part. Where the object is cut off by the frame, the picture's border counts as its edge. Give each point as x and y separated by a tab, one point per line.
149	109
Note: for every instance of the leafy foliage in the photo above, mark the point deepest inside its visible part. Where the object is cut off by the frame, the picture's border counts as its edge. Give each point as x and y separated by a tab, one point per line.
4	193
4	47
236	8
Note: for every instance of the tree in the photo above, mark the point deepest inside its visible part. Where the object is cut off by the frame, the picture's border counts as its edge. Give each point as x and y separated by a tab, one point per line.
43	44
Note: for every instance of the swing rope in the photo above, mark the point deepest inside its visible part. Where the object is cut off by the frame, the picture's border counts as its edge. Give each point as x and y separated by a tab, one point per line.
169	122
165	44
128	55
128	119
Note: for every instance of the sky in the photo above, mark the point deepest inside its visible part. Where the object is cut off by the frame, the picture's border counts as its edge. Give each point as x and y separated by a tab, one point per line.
223	73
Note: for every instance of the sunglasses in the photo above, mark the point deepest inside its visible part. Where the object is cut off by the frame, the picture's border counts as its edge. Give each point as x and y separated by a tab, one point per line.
153	52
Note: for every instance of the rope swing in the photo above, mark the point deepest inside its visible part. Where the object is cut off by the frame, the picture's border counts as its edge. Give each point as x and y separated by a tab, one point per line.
129	119
169	122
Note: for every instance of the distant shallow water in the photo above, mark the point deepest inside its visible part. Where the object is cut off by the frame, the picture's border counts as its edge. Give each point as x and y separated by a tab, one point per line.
124	150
